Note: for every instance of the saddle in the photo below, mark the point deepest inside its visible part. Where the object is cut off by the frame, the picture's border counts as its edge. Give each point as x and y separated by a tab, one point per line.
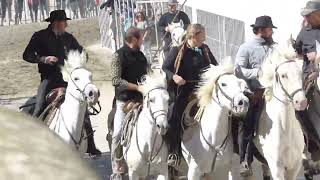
132	110
53	100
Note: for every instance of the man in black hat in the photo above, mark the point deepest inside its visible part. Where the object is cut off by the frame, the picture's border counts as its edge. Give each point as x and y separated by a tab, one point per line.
167	19
306	47
48	48
249	59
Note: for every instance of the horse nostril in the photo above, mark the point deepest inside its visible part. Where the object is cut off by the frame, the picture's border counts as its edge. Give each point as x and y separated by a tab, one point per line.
90	93
158	126
296	102
240	103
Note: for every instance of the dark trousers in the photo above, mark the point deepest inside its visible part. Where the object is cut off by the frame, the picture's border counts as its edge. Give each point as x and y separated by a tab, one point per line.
166	47
41	97
247	127
90	133
46	85
173	136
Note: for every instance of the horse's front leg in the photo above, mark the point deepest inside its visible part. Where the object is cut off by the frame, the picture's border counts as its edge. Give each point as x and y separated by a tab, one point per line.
276	170
194	172
133	175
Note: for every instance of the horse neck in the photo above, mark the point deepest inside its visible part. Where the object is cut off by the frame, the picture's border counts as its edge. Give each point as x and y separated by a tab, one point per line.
215	123
146	129
73	111
283	112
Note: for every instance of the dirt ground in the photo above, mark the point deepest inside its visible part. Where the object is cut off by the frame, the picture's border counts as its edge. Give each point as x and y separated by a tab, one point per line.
19	78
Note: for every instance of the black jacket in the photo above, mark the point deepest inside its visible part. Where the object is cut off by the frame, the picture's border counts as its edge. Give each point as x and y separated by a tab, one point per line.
305	43
167	19
45	43
133	66
192	65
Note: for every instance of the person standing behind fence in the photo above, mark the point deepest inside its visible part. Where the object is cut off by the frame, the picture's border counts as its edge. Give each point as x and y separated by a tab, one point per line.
167	19
5	4
143	25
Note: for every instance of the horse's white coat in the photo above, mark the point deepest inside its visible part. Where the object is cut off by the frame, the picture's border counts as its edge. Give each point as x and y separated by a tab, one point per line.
69	120
148	129
214	124
280	138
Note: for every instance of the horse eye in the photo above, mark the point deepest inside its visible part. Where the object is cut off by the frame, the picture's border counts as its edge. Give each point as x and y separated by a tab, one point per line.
223	84
76	79
283	76
152	100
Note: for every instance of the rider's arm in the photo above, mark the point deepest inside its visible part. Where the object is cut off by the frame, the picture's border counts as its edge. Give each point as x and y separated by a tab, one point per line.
162	24
117	81
168	64
242	62
212	58
30	54
185	19
75	44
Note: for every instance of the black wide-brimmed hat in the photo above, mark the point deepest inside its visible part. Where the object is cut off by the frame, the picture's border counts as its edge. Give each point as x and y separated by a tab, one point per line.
264	22
173	2
57	15
311	6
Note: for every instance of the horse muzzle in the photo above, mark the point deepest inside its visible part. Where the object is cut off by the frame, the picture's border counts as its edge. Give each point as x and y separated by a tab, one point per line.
240	105
92	94
162	128
300	101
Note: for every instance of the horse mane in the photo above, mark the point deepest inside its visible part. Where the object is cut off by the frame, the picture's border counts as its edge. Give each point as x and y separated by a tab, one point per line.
75	60
154	79
277	56
209	78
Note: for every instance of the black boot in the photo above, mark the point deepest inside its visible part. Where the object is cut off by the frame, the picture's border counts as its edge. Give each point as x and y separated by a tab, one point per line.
92	150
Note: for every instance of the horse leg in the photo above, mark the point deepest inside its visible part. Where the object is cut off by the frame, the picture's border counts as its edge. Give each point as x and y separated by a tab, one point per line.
133	175
293	173
277	171
266	172
194	172
9	10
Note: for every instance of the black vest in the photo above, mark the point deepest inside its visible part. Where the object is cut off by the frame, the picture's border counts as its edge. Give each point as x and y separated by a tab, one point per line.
133	66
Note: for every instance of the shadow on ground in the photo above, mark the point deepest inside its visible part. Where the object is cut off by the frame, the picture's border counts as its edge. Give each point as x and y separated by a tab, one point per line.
102	165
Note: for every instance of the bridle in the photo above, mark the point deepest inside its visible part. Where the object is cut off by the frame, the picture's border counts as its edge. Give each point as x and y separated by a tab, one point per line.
153	113
278	79
218	88
83	100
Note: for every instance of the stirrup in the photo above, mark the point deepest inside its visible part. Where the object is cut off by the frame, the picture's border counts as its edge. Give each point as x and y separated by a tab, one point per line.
173	160
116	176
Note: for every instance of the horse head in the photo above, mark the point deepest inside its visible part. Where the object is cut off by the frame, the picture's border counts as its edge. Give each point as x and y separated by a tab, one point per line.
177	33
219	84
79	78
156	99
282	76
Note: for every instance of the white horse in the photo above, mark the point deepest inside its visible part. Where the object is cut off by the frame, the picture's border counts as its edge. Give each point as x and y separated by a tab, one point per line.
147	153
279	137
68	122
208	146
177	36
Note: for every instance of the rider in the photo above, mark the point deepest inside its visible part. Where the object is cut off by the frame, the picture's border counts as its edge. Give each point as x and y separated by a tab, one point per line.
48	48
183	67
128	65
249	59
306	47
167	19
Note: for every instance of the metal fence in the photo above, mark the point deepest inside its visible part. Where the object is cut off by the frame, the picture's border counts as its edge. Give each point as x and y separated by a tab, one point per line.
13	12
224	35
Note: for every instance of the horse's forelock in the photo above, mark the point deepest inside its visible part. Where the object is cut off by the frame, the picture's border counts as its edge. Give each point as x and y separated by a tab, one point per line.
152	80
75	60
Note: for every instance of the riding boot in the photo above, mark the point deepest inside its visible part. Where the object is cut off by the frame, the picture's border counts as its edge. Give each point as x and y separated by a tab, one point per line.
92	150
